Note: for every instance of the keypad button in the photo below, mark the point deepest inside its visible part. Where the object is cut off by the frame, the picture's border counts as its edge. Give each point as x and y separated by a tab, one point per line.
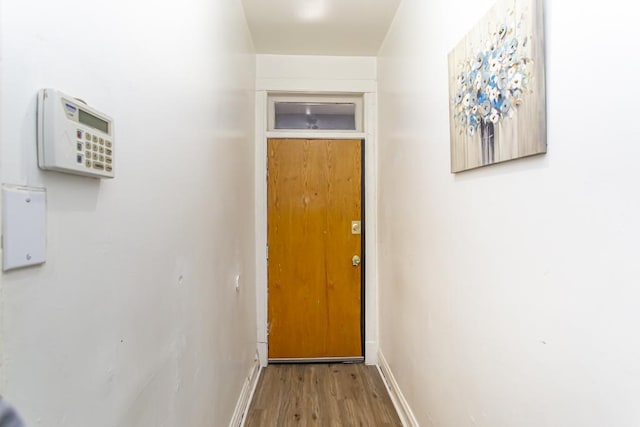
101	157
88	145
87	135
87	163
97	165
109	160
79	146
108	152
79	158
108	143
88	154
102	149
95	138
95	147
108	168
79	134
95	156
101	141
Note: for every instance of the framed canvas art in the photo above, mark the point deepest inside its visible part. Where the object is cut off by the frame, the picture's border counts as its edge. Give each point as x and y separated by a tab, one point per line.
497	107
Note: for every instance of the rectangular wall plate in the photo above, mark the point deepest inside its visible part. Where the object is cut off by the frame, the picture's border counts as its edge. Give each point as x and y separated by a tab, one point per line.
23	226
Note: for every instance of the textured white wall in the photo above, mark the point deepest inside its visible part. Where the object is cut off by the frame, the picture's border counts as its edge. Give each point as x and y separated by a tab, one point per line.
509	295
134	319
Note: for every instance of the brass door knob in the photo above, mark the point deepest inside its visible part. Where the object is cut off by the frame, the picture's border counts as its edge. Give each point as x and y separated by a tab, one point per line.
355	260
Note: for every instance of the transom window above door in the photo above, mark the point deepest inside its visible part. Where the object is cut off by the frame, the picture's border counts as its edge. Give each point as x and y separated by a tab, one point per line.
315	113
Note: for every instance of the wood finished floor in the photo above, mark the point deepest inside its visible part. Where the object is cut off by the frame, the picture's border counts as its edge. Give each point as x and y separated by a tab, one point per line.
321	395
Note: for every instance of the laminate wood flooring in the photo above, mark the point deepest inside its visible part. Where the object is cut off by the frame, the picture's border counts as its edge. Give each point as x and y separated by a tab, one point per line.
321	395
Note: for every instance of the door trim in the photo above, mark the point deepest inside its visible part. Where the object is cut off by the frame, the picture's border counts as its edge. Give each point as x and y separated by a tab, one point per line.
370	275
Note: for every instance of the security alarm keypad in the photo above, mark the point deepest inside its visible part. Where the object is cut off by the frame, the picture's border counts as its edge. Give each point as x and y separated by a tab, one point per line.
94	151
73	137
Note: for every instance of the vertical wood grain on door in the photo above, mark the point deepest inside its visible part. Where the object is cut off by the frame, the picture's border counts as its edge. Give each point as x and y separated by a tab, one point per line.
314	291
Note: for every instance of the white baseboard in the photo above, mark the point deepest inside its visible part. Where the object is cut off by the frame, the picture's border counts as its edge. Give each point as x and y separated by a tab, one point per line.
402	406
246	394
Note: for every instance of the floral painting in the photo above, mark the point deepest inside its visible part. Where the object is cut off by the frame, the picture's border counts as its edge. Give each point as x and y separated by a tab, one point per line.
497	88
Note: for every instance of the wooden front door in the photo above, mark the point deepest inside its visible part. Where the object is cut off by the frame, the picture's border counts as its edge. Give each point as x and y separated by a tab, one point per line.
314	289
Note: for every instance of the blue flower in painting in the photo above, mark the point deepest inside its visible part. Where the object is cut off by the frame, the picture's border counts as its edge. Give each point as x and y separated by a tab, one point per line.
498	102
505	108
502	81
485	79
512	46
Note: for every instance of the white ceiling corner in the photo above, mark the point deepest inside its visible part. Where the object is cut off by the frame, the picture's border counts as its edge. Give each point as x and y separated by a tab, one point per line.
319	27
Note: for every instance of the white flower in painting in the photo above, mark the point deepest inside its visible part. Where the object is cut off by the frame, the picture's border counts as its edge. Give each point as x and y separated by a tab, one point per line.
502	56
516	81
494	65
474	109
510	61
493	92
471	130
502	31
466	101
485	79
490	46
479	61
494	116
512	72
485	109
477	84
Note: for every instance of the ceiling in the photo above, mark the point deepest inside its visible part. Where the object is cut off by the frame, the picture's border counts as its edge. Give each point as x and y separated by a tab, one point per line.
319	27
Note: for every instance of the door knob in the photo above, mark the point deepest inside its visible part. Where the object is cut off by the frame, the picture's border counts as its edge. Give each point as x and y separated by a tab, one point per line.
355	260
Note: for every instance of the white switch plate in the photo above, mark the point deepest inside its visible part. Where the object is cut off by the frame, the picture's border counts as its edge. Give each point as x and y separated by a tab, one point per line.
23	226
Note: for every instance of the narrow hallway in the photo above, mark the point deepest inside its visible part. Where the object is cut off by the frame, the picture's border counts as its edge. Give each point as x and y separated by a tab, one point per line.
321	394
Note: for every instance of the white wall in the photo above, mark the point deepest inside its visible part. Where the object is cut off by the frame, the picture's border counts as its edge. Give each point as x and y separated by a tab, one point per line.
313	73
509	295
134	319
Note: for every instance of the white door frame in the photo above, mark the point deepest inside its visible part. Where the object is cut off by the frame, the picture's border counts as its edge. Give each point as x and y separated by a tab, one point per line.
370	165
